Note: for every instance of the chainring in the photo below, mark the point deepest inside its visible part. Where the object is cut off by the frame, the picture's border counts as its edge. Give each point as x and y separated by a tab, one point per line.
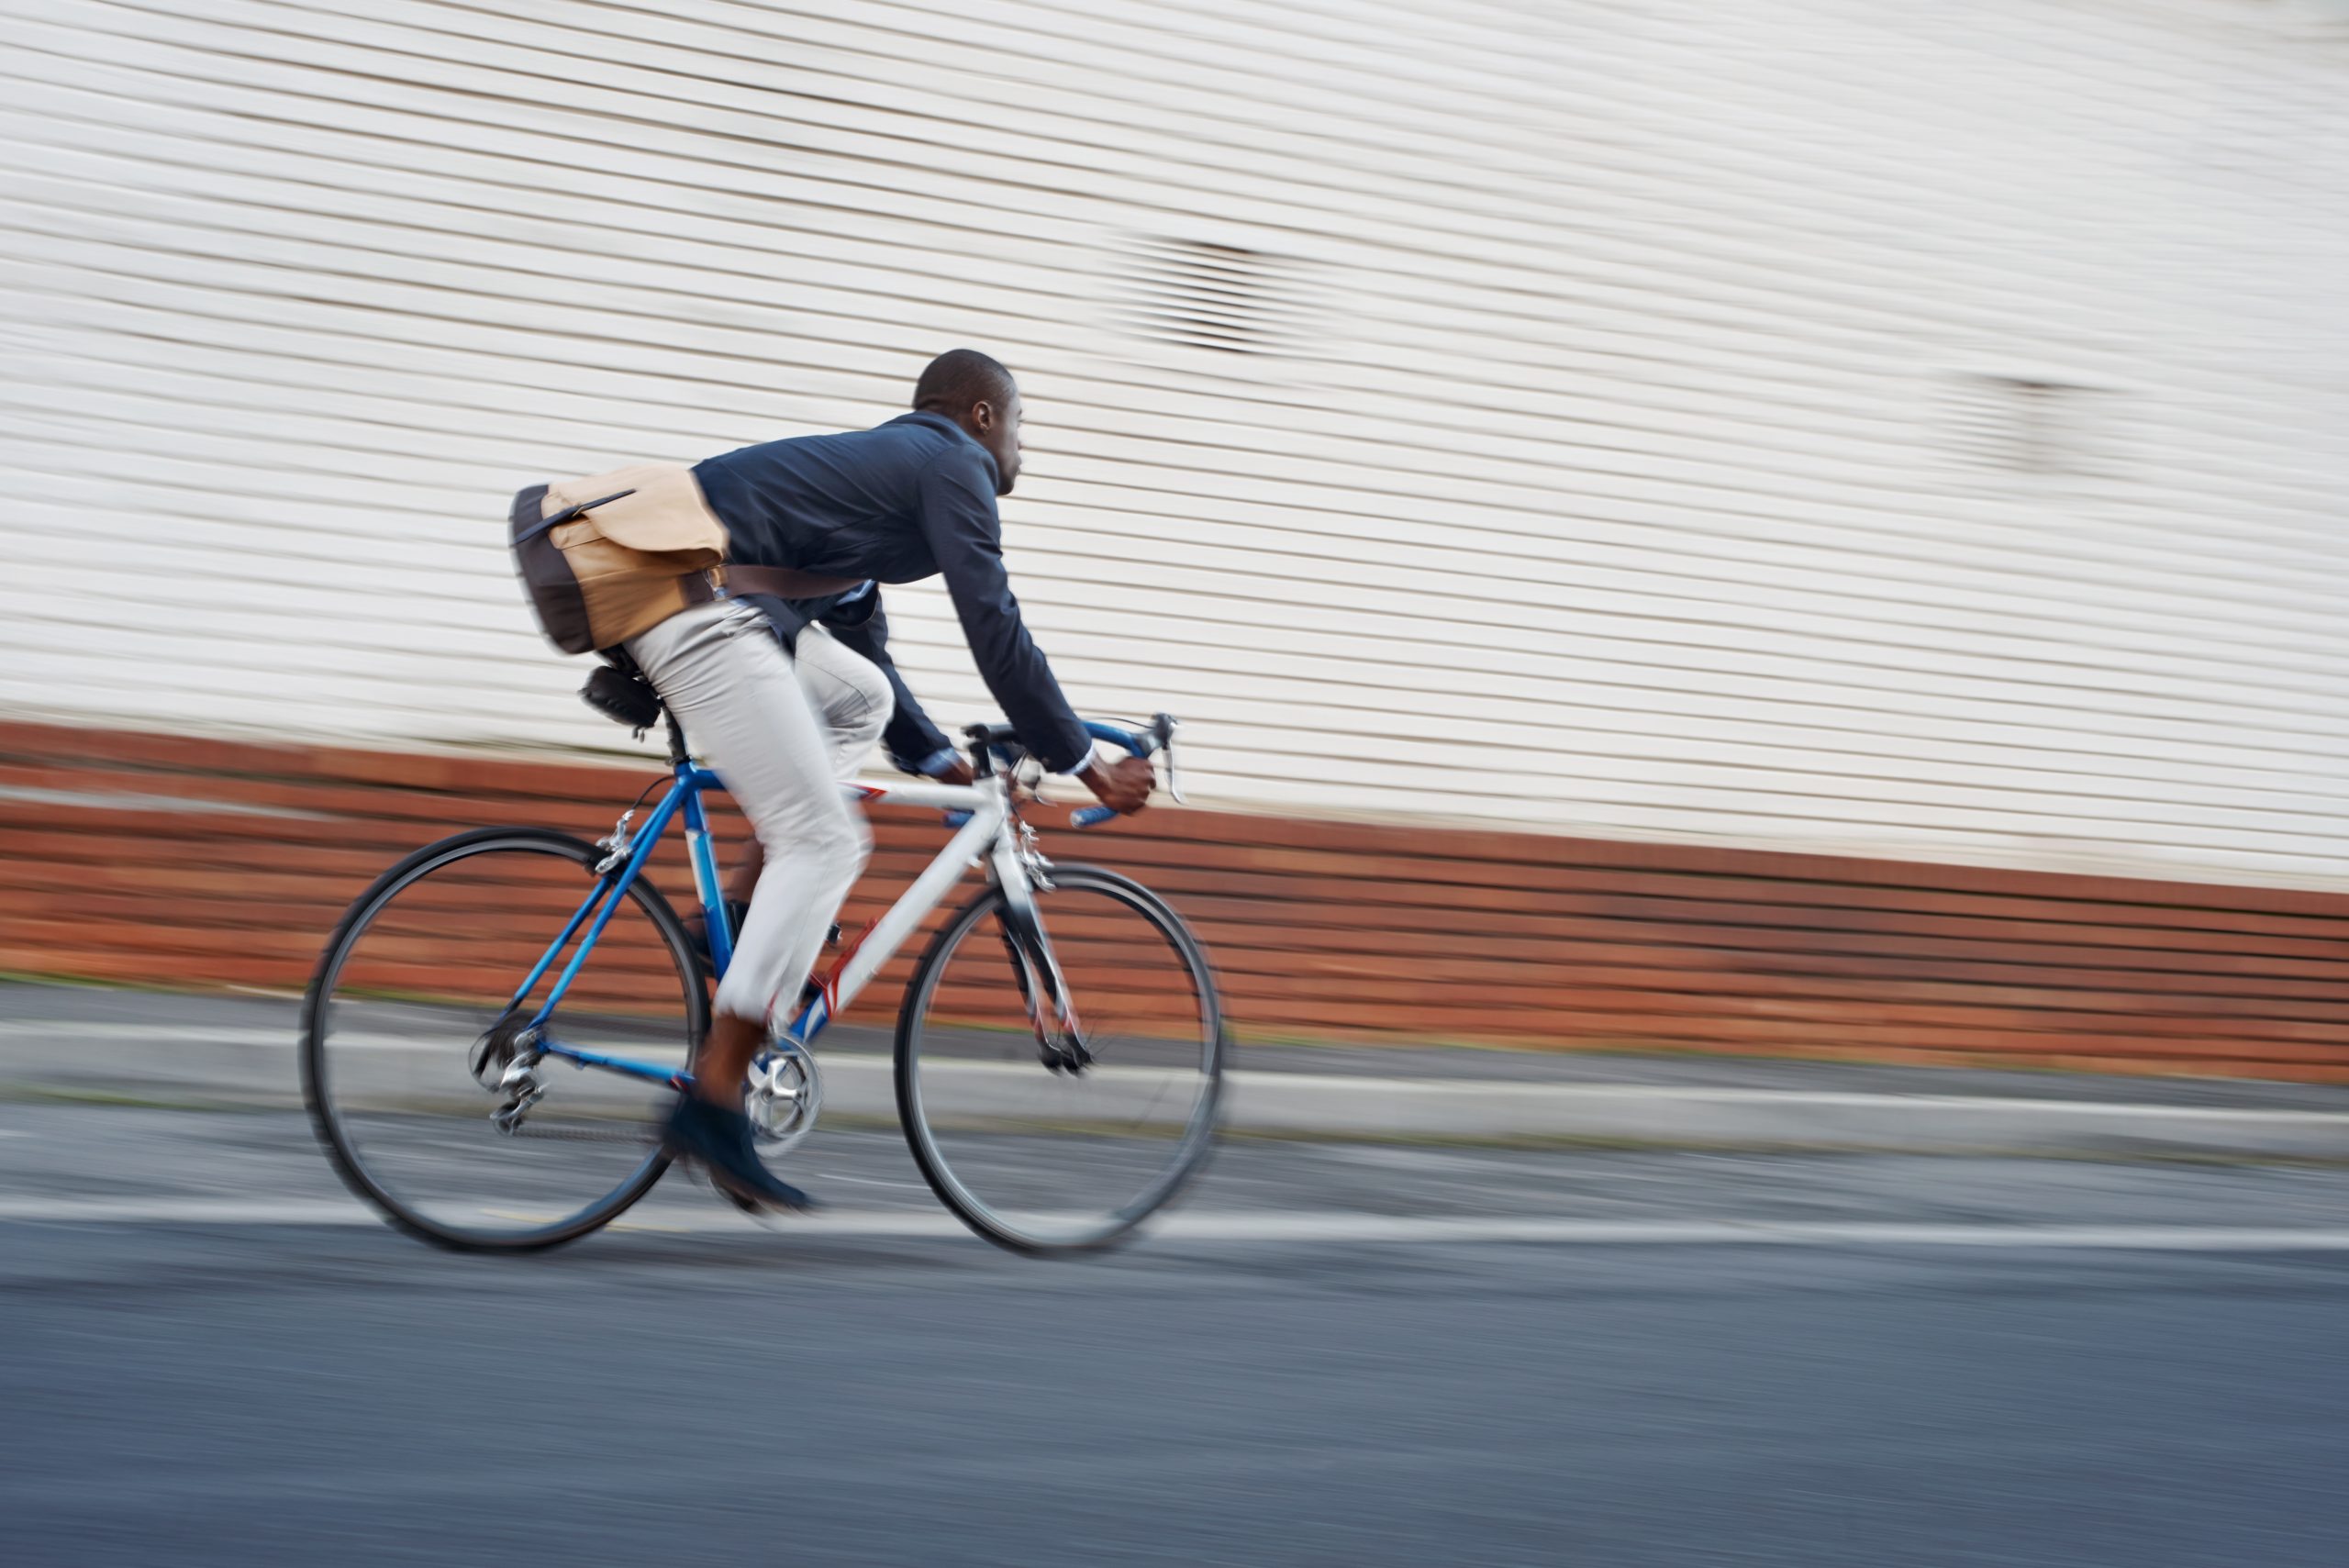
785	1096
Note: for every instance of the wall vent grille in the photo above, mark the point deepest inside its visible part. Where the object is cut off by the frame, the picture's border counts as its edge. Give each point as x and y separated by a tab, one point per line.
1224	298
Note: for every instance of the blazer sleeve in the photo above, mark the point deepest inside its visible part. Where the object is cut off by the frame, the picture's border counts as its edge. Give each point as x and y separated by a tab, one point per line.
911	739
965	538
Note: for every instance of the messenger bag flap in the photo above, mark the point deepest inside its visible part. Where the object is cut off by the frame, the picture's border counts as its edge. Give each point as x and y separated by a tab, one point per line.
656	507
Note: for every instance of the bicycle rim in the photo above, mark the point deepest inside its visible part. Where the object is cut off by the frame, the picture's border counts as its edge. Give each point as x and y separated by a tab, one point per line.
1044	1161
421	969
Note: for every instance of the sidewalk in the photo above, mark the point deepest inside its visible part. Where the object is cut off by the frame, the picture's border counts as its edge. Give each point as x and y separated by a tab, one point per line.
232	1052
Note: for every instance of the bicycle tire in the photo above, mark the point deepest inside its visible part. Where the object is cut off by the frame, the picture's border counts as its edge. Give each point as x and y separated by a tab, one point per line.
316	1091
1198	1136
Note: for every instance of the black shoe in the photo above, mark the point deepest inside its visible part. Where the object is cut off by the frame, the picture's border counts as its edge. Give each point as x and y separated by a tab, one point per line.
718	1140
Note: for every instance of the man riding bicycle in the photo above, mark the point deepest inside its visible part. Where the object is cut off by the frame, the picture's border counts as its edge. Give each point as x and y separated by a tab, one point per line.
783	696
840	646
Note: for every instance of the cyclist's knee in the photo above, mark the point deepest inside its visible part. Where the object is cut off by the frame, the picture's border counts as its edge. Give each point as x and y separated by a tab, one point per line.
854	850
849	691
875	703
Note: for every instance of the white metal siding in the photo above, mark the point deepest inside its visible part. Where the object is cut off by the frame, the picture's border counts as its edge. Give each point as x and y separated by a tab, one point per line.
1909	430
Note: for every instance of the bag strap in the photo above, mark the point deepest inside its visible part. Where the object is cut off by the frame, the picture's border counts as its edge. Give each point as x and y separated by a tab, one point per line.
781	582
722	582
543	524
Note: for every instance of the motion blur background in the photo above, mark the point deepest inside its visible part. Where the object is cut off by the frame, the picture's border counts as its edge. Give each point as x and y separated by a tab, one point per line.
1808	527
1686	535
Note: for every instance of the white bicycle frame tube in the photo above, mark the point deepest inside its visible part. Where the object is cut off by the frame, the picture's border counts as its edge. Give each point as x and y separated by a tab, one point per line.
988	803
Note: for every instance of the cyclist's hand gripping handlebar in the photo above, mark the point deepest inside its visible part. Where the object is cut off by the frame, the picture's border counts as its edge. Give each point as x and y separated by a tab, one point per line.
1158	737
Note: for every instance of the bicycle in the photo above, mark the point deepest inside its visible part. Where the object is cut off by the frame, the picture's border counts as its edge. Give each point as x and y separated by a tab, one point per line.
1042	1128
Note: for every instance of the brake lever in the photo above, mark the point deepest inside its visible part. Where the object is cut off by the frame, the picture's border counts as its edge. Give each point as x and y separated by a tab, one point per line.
1166	724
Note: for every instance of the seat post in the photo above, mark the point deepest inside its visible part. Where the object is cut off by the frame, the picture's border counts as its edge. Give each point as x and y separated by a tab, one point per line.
677	753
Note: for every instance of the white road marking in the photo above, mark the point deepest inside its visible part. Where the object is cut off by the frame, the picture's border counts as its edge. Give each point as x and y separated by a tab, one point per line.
288	1039
1309	1227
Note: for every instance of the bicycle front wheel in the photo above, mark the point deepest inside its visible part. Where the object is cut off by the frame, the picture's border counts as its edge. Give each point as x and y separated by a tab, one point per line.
404	1065
1044	1160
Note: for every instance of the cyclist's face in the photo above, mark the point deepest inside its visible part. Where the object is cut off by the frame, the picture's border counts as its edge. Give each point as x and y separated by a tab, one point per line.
999	431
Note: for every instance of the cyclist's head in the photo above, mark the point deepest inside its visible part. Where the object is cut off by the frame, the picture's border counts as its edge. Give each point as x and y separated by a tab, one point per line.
978	394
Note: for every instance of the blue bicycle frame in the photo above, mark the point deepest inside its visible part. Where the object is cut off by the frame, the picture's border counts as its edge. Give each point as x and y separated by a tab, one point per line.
603	901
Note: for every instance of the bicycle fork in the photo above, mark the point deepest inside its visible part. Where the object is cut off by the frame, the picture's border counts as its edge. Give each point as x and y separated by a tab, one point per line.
1051	1011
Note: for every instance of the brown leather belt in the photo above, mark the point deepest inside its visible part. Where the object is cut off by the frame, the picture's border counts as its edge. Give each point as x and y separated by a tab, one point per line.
783	582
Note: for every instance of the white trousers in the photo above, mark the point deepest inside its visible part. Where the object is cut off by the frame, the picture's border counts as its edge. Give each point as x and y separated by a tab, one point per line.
782	730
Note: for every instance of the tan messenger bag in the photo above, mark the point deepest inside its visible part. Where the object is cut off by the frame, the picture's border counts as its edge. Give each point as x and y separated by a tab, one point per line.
612	556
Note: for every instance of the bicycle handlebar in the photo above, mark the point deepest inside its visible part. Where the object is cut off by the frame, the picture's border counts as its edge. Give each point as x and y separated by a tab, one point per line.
1157	736
1140	745
1160	736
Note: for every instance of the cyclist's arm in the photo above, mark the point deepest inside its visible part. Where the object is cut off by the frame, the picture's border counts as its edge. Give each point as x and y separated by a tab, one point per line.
965	534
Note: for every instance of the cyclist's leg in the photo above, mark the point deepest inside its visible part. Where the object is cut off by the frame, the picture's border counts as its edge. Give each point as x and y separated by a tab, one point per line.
852	698
732	687
849	691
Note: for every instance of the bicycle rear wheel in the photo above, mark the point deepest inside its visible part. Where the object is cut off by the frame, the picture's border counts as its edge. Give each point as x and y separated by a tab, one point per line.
1041	1161
402	1051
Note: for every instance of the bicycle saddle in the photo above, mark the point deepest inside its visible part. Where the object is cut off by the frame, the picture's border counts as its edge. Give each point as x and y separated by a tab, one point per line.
620	693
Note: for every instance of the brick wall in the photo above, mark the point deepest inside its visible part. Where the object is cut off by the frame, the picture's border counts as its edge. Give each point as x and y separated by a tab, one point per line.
203	863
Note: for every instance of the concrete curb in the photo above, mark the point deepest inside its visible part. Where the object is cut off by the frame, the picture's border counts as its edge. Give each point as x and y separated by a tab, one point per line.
1298	1104
231	1068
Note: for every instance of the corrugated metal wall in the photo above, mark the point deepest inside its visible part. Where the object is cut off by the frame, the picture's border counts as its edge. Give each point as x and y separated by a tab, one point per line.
1911	429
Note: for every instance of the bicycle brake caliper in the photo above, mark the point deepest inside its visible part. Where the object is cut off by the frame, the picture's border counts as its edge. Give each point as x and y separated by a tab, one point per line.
1032	861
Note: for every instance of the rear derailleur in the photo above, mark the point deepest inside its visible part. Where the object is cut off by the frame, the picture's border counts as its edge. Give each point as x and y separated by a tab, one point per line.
505	1059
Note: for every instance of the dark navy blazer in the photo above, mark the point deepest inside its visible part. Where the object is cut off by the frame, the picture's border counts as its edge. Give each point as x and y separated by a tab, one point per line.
913	498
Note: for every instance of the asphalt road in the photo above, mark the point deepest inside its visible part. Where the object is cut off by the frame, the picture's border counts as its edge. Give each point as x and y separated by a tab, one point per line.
1958	1361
